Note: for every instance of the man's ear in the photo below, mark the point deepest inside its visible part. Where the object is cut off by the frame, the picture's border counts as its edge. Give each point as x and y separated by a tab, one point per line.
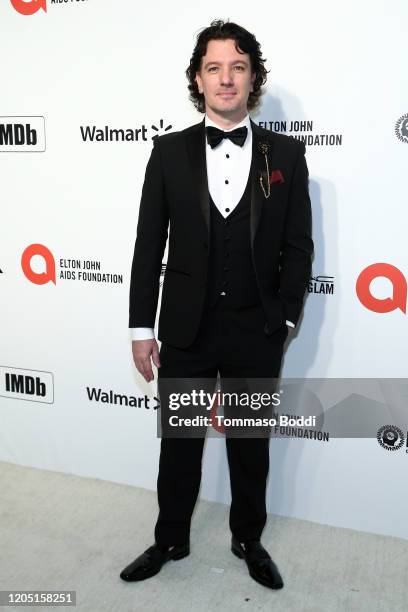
199	83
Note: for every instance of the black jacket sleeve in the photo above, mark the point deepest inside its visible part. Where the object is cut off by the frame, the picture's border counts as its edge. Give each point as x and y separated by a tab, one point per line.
152	229
297	246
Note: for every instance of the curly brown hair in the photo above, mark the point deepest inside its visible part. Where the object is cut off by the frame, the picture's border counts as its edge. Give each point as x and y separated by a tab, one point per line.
244	41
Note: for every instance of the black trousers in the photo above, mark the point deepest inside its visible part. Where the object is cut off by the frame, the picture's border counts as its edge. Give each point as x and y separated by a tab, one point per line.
233	343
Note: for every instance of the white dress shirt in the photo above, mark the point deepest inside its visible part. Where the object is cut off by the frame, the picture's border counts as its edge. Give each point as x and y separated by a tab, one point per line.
228	162
228	167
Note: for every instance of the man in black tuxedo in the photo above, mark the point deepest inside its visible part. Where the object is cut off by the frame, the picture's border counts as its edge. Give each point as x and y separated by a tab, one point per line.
239	259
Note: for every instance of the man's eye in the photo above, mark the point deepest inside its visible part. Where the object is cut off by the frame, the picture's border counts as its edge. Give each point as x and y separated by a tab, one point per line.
212	68
240	67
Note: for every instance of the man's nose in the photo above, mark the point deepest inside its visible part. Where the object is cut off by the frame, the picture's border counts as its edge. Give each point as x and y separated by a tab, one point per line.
226	77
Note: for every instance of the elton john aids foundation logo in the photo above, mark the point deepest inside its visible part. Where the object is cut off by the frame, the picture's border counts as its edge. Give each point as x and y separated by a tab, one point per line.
41	267
29	7
38	278
398	299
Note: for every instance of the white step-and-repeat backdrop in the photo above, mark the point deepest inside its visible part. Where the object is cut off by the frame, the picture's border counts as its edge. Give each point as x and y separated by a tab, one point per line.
85	87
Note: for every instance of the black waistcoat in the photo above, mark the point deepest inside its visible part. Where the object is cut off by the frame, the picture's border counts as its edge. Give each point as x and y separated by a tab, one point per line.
230	268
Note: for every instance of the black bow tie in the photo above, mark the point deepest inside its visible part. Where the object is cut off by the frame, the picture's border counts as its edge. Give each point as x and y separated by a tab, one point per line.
237	136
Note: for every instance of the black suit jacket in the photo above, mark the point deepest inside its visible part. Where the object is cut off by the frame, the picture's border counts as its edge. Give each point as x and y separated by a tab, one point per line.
175	191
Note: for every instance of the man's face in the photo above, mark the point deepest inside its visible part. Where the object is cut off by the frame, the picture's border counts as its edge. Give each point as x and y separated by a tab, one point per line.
225	78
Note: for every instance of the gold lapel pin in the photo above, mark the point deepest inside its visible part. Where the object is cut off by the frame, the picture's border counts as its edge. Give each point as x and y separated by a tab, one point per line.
264	149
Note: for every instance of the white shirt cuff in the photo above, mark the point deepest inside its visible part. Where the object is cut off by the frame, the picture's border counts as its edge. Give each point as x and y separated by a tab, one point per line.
290	324
142	333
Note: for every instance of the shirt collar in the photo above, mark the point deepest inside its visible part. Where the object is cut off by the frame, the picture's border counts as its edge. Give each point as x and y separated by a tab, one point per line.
245	121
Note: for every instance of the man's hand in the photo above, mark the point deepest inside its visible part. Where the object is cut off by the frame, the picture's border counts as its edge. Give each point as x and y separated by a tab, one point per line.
142	351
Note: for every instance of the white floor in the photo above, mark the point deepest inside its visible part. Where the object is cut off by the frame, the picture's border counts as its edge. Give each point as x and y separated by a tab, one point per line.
72	533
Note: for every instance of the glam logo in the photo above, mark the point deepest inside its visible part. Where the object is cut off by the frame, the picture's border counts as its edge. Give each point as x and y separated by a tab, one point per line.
388	304
29	8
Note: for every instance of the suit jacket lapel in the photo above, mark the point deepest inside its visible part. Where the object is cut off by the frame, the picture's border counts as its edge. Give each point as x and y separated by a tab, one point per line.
257	166
196	149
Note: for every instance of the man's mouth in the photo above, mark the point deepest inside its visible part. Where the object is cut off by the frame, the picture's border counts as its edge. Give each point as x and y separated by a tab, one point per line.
227	94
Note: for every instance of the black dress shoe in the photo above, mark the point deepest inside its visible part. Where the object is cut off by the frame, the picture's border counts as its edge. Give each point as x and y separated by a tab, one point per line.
151	561
259	562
